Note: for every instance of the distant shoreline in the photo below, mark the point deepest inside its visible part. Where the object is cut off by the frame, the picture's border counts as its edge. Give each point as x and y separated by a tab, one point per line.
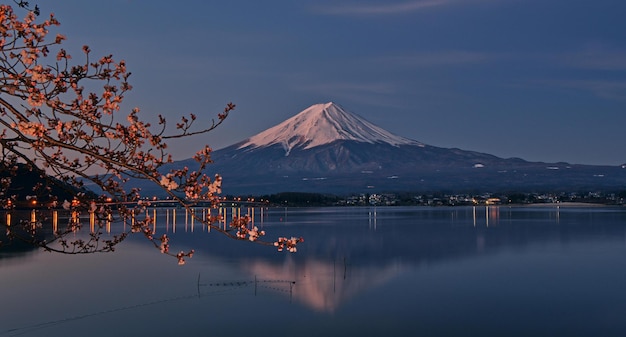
564	204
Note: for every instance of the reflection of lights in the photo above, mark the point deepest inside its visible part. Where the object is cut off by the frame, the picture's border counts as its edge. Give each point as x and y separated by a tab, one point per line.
372	219
558	214
487	216
474	215
193	217
154	220
174	220
492	213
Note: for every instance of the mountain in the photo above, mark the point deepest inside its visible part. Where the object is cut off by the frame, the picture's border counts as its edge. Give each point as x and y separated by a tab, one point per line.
327	149
24	180
322	124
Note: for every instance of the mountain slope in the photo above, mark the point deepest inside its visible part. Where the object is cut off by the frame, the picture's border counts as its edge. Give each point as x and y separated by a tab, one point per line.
322	124
326	148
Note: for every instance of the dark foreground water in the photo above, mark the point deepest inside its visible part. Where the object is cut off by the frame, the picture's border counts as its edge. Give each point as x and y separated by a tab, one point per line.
391	271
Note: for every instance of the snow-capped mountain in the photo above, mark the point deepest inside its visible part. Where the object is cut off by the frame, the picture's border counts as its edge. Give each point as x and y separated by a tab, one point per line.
327	149
322	124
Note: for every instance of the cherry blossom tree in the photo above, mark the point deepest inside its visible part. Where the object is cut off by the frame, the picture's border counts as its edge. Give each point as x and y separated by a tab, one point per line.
61	117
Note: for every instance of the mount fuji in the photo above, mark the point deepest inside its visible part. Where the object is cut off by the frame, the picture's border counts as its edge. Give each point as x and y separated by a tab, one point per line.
322	124
327	149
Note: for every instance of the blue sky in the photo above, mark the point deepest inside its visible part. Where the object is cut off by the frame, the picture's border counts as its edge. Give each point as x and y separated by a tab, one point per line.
543	80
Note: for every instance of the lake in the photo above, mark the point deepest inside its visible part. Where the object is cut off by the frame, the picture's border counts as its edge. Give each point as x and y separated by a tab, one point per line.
362	271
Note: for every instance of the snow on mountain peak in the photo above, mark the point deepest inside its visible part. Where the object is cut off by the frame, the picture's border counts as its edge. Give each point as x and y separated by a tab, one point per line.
321	124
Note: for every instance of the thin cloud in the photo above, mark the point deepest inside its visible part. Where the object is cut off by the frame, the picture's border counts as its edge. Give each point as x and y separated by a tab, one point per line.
599	59
381	9
350	87
439	58
370	93
606	89
596	60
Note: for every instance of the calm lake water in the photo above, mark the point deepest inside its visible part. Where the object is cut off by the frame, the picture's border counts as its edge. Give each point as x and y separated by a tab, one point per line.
386	271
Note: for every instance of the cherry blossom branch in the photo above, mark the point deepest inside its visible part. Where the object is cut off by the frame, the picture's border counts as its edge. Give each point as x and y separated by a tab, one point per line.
53	126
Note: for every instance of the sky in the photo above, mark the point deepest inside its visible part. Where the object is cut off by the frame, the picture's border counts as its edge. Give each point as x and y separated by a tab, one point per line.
542	80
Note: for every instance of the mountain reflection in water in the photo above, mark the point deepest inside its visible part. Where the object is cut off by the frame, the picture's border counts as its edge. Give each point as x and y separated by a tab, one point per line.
323	286
402	270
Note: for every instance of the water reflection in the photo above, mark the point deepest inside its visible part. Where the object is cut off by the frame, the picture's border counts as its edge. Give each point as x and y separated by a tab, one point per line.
428	268
491	216
372	218
259	284
324	286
